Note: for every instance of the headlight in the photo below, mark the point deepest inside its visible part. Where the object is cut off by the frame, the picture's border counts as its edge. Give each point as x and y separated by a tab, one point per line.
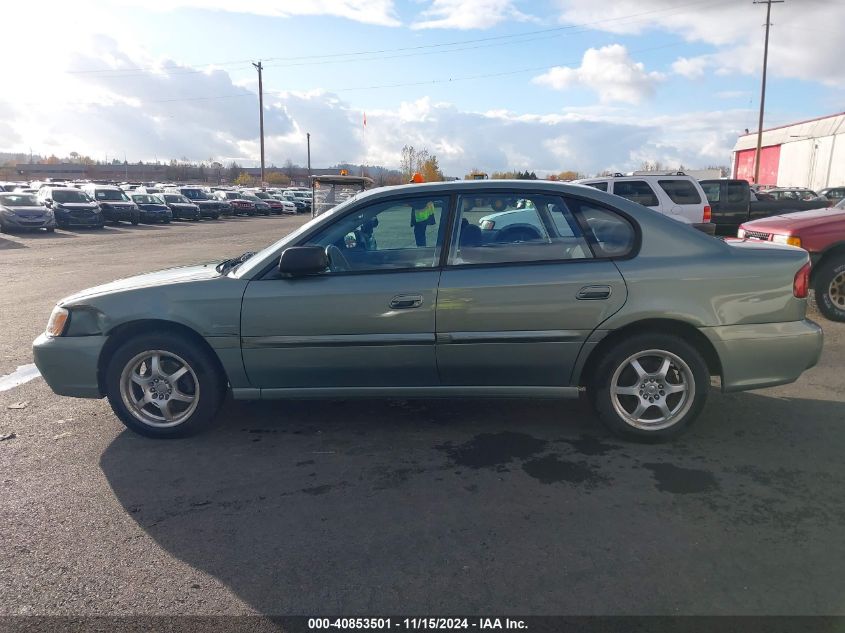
58	322
792	240
741	234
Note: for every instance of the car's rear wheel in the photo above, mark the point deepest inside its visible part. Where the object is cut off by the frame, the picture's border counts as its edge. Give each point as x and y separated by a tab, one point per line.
651	386
829	287
159	385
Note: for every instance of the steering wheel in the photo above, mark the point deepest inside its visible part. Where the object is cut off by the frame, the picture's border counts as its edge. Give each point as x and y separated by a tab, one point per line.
337	261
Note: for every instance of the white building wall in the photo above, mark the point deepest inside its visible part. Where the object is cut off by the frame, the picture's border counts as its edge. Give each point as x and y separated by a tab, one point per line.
812	153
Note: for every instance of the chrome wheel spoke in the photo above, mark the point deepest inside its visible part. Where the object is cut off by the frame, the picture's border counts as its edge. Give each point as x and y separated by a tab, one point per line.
139	380
635	365
633	390
176	375
155	366
670	388
664	369
664	408
181	397
165	410
642	407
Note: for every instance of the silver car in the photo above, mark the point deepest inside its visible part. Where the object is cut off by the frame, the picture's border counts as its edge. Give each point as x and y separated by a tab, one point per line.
400	292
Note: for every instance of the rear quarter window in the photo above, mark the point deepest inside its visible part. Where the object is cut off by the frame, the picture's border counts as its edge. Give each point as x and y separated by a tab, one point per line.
609	234
680	191
638	191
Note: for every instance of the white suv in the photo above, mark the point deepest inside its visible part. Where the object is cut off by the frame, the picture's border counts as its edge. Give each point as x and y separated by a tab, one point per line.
676	195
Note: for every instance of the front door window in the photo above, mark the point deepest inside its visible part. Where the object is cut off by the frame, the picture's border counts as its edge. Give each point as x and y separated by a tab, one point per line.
398	234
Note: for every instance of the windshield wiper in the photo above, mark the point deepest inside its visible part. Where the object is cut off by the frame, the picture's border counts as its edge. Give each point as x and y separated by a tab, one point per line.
229	264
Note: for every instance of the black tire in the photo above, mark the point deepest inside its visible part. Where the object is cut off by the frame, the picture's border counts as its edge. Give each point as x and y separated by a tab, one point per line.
829	288
135	221
51	229
205	371
3	228
684	409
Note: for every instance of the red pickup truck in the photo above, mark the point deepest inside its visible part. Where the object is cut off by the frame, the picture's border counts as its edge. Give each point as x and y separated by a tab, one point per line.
822	233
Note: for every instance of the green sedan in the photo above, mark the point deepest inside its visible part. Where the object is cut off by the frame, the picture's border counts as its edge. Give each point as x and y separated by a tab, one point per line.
399	292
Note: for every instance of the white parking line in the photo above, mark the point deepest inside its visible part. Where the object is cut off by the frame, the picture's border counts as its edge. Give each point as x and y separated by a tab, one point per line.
24	373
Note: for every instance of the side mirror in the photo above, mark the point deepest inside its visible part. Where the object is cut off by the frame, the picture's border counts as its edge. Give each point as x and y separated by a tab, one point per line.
298	261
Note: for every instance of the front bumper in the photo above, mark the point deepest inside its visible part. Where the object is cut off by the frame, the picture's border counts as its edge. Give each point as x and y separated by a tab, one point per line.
19	222
765	354
69	364
117	214
78	218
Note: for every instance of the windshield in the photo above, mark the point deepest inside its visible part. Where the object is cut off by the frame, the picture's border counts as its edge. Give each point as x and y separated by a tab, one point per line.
194	194
172	197
145	198
262	195
19	200
256	261
111	195
70	196
249	196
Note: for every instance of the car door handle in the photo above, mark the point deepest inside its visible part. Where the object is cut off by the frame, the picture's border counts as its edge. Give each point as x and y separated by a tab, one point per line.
588	293
404	302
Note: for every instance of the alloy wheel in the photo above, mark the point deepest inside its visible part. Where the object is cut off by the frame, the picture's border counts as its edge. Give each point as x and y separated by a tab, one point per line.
159	388
836	290
652	389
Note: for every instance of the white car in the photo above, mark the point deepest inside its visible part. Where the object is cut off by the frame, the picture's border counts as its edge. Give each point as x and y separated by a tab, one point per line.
675	195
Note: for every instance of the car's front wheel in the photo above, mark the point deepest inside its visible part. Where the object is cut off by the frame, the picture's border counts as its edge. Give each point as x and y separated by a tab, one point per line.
160	385
651	386
829	287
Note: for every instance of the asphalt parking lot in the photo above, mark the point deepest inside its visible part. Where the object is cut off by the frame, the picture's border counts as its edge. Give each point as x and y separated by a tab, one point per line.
400	507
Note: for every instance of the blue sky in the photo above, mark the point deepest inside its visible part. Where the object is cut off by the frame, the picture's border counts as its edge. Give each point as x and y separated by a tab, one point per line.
500	84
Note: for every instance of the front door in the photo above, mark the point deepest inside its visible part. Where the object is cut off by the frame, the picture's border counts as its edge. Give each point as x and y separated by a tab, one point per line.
368	321
525	285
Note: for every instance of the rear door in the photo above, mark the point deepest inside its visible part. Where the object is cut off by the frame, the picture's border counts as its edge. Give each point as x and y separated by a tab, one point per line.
515	309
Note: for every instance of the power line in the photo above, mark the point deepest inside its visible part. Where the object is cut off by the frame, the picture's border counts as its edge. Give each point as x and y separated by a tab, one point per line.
423	49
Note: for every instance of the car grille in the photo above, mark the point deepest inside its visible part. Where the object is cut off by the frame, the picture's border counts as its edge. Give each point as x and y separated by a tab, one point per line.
757	235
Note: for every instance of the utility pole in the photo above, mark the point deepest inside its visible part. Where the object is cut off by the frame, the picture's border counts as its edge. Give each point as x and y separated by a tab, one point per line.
259	68
768	4
308	137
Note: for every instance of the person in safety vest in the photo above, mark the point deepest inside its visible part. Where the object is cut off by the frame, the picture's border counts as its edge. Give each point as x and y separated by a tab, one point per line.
422	217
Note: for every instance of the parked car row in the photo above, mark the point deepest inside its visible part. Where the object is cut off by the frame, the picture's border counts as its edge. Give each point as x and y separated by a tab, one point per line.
58	205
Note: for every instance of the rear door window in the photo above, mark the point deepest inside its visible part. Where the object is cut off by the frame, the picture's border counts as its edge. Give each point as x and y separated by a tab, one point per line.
712	190
736	192
601	186
680	191
504	228
638	191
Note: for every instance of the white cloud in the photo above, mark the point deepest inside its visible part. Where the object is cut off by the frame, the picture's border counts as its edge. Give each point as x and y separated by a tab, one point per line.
468	14
691	68
381	12
804	41
201	115
608	71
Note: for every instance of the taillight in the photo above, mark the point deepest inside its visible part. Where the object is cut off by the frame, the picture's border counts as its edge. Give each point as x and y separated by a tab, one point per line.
707	214
801	283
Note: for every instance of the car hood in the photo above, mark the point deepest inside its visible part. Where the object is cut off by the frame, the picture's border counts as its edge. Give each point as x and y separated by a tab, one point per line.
797	220
24	209
151	206
160	278
182	204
